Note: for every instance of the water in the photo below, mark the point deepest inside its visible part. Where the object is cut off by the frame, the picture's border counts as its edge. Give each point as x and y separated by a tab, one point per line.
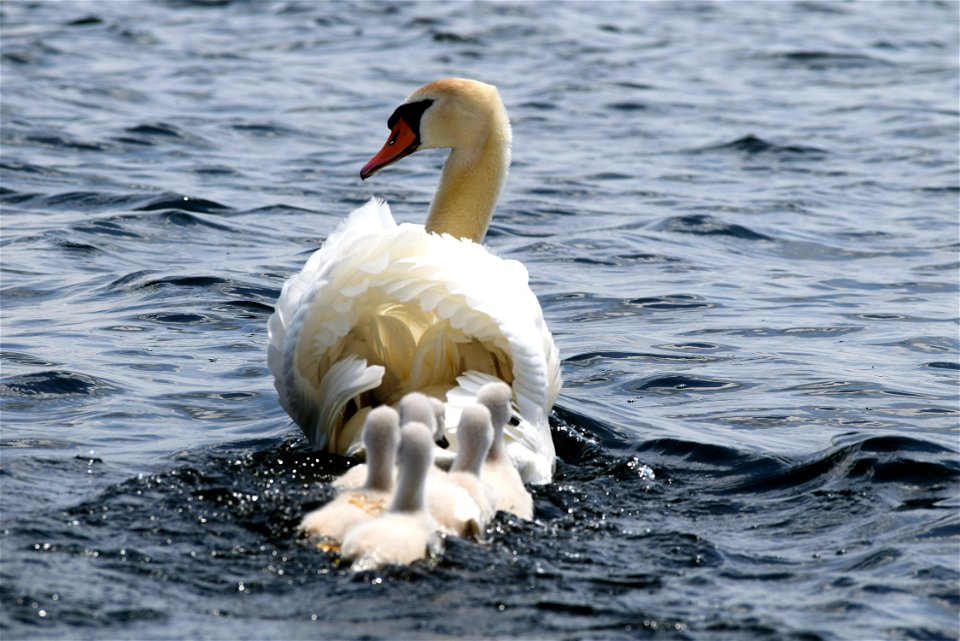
741	220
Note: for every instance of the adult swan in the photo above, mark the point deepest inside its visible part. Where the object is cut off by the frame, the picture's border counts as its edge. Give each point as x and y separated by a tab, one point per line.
383	309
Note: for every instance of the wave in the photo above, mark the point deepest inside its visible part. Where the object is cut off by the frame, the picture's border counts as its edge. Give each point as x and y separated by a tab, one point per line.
877	459
181	202
55	384
823	60
705	225
753	145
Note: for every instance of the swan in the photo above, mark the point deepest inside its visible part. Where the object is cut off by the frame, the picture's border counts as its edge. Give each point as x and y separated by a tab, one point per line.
382	309
407	532
460	501
498	470
381	436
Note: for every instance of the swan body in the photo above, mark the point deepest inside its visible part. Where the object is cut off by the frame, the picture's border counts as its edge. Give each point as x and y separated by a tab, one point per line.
384	309
381	435
407	532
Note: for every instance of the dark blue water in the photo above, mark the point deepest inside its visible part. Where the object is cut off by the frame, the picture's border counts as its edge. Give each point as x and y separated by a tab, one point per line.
741	219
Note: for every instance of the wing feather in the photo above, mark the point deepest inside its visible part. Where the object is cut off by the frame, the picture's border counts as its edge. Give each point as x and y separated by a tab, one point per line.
381	309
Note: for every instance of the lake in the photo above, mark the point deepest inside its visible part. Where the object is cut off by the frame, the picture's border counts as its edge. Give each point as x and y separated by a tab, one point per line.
740	218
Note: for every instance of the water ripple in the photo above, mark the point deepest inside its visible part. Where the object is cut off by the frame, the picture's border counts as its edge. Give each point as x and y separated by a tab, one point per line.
740	219
54	384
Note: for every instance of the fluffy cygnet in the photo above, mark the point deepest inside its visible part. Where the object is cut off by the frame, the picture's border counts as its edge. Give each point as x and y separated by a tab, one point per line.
420	408
424	409
406	532
460	501
413	407
352	478
498	470
381	434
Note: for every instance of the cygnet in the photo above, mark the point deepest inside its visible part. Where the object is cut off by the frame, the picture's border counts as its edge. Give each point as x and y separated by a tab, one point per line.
460	501
420	408
498	470
381	434
406	532
414	407
427	410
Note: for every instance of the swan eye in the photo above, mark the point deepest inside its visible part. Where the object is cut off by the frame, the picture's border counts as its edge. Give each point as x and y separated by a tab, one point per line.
410	113
393	138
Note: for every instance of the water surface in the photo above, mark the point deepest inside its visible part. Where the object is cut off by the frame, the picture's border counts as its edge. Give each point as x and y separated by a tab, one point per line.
741	221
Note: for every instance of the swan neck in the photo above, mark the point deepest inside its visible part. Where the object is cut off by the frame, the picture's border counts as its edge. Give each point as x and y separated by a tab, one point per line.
470	187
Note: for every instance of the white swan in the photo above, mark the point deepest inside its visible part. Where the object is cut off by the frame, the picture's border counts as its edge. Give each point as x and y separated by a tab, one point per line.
498	470
460	501
406	532
384	309
381	435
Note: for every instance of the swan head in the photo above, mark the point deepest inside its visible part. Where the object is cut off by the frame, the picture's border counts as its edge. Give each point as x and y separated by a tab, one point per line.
451	113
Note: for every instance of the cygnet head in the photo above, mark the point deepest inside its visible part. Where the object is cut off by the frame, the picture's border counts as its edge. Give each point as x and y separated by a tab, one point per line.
496	398
420	408
381	435
381	427
414	458
474	435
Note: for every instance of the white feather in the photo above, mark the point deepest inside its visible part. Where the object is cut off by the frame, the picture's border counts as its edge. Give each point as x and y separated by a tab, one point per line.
383	309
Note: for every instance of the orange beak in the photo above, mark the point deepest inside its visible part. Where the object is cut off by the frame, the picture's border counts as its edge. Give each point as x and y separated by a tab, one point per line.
401	143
